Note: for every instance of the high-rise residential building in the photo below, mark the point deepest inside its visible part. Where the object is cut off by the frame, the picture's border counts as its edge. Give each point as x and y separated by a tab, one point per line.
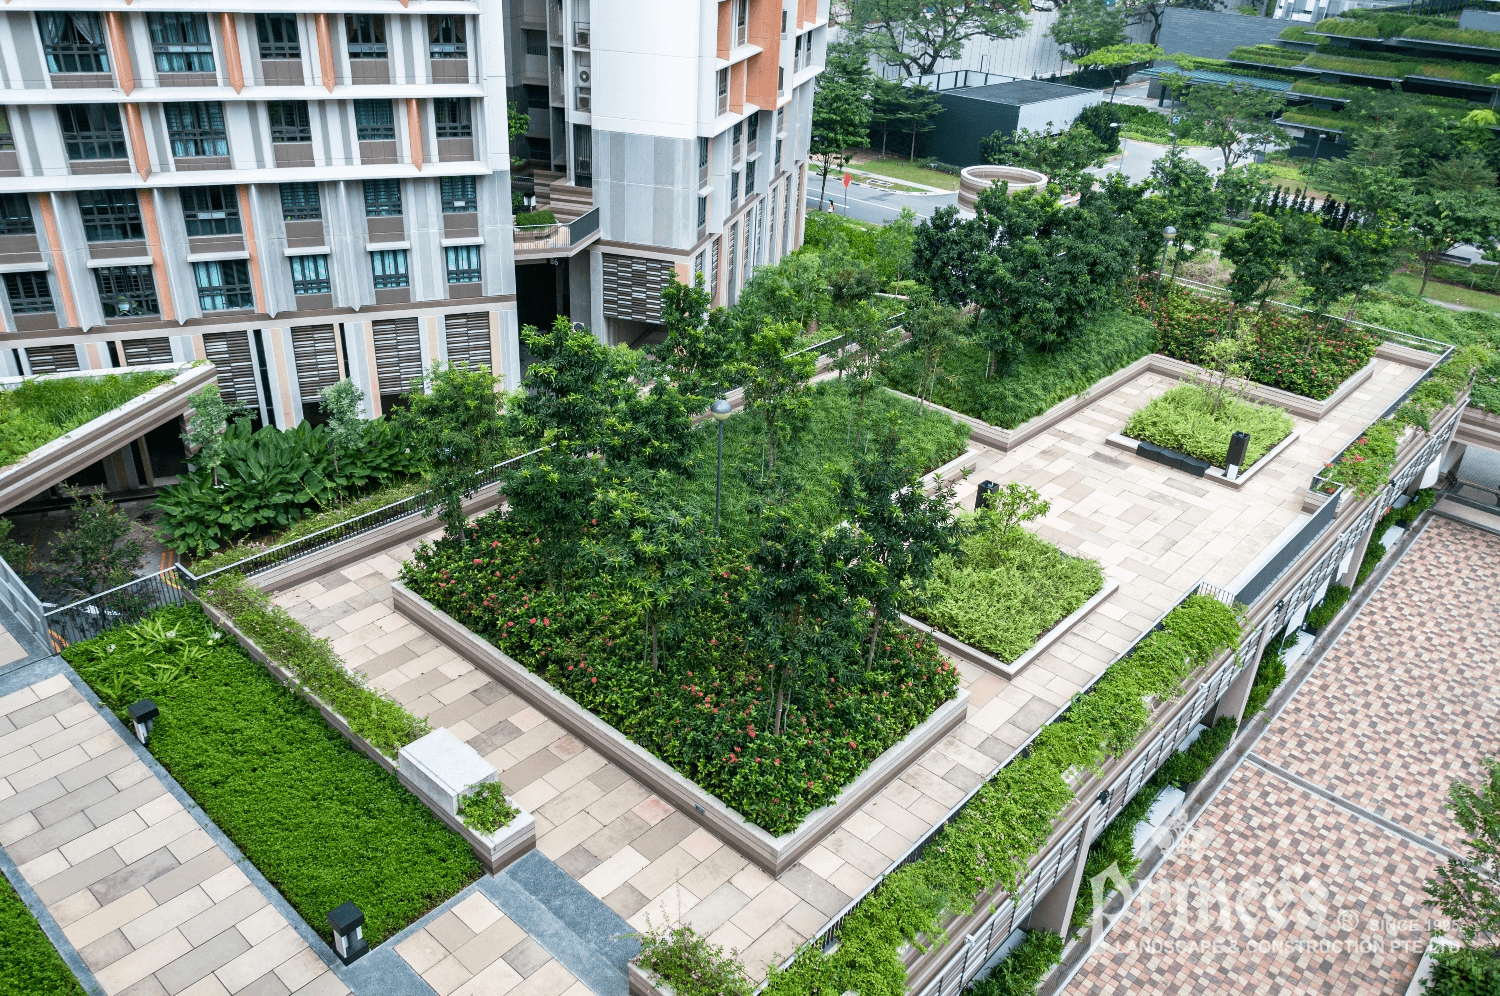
683	123
302	196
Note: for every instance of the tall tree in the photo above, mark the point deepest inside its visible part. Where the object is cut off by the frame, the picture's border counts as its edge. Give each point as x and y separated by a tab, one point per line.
97	552
699	345
1151	12
918	34
934	329
1235	119
841	110
946	254
1467	890
1439	220
458	423
1086	26
919	106
1261	253
776	385
1334	264
1063	156
339	404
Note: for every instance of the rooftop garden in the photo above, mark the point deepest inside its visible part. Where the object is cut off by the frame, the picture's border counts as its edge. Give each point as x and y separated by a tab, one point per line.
1199	419
1315	119
29	964
1266	55
40	410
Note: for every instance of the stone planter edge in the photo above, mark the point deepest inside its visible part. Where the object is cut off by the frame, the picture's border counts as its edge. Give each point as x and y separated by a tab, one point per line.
957	648
1123	442
774	855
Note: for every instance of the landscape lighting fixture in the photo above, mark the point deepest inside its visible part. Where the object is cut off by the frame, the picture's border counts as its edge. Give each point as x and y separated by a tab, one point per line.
348	933
1238	444
986	496
720	410
142	717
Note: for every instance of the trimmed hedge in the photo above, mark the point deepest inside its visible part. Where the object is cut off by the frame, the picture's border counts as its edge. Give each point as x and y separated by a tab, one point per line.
1269	673
323	822
29	964
989	843
1184	419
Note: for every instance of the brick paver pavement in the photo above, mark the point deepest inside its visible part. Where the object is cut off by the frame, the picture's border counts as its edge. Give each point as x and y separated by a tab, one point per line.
1402	705
152	904
1154	530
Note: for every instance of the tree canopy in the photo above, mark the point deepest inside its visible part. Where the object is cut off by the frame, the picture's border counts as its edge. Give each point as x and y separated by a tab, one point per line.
918	34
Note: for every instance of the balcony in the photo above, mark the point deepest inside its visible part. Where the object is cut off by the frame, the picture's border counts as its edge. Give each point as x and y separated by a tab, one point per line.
561	239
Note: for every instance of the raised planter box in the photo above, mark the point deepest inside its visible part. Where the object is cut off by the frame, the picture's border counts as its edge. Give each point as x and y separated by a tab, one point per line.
1005	440
955	647
1193	465
772	853
494	853
644	983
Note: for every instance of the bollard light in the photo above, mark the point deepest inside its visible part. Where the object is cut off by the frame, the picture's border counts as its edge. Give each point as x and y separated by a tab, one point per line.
143	716
1238	444
348	933
986	496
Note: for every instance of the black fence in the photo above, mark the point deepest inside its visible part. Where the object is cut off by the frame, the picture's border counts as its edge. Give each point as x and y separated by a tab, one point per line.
122	606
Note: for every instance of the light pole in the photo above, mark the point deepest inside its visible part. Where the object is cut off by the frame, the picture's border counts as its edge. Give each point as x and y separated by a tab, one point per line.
721	410
1170	233
1120	138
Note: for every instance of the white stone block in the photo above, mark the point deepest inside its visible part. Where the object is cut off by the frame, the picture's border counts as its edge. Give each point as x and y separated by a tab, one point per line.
1391	537
444	768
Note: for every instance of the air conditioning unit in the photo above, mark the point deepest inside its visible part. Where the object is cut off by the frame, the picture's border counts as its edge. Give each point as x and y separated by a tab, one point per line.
581	37
584	102
583	76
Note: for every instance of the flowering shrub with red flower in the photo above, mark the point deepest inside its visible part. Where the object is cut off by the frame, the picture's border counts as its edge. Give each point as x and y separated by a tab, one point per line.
706	708
1289	352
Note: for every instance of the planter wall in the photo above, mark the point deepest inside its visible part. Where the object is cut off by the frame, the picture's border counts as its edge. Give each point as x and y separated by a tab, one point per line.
772	853
1193	465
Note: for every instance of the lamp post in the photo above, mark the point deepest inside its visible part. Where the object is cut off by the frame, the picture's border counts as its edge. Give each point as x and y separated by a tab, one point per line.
1170	233
1120	137
721	410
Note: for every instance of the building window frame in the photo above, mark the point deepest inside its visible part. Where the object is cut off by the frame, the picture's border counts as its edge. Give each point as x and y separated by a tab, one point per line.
382	198
15	215
464	266
29	292
73	41
722	89
365	35
180	42
301	202
195	129
447	36
310	274
388	267
127	291
110	215
92	131
750	177
460	194
535	42
290	121
702	213
211	210
374	120
453	117
224	285
277	36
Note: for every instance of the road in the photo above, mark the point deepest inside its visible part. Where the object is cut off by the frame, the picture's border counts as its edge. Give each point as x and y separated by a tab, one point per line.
879	206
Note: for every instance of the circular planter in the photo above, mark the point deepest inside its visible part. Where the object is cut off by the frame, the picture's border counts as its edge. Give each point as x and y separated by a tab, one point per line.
974	180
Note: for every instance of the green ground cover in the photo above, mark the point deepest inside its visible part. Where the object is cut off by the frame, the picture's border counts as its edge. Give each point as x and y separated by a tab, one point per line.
902	169
1008	588
29	964
1197	421
39	411
1034	382
323	823
1315	119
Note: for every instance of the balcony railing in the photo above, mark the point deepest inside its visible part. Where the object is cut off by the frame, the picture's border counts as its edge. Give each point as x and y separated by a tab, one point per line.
542	239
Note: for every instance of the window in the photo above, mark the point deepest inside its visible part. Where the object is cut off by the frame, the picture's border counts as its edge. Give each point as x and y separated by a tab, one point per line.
781	122
536	42
300	202
750	178
180	43
374	121
277	36
126	291
536	96
92	131
211	210
366	35
15	215
780	80
702	153
110	215
289	121
7	140
310	275
382	198
389	266
783	23
224	285
734	189
736	136
196	128
446	37
741	22
797	54
451	115
752	128
723	89
73	42
29	293
702	212
458	195
776	163
463	264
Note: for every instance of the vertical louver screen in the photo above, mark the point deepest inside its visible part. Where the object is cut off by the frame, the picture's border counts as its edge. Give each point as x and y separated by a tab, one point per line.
315	350
469	339
230	352
398	355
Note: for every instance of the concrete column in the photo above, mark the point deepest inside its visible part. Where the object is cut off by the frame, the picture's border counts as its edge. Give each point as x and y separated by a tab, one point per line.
1232	702
1054	910
1358	556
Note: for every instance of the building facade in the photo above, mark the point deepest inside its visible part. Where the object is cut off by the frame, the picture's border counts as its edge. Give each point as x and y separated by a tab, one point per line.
306	196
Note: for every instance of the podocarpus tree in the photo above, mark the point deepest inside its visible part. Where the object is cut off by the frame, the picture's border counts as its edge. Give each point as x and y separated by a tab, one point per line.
205	429
904	528
918	34
458	423
96	552
776	383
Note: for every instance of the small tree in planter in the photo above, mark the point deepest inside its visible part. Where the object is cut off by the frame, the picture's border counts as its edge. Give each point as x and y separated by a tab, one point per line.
97	553
935	330
458	422
686	961
340	405
1466	890
205	430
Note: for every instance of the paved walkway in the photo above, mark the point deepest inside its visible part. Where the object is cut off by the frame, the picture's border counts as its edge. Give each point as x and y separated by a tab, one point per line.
1155	530
151	903
1306	872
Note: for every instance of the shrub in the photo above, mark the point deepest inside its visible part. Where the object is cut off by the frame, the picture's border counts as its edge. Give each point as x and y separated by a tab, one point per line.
29	964
1366	465
485	810
271	478
692	966
1006	589
1035	381
324	823
1184	419
313	663
1269	673
1323	613
1464	972
1021	972
543	216
38	411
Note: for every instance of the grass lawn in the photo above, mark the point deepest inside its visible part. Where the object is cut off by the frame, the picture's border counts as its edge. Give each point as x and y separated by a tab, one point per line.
29	964
39	411
902	169
323	822
1409	283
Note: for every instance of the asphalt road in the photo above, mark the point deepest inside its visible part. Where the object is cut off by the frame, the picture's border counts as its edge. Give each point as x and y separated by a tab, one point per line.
879	206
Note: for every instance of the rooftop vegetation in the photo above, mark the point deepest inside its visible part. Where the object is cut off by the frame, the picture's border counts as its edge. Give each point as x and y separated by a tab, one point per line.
42	409
1199	420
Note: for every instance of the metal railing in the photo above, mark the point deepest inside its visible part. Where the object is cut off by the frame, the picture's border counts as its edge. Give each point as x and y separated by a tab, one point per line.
558	235
22	603
123	606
